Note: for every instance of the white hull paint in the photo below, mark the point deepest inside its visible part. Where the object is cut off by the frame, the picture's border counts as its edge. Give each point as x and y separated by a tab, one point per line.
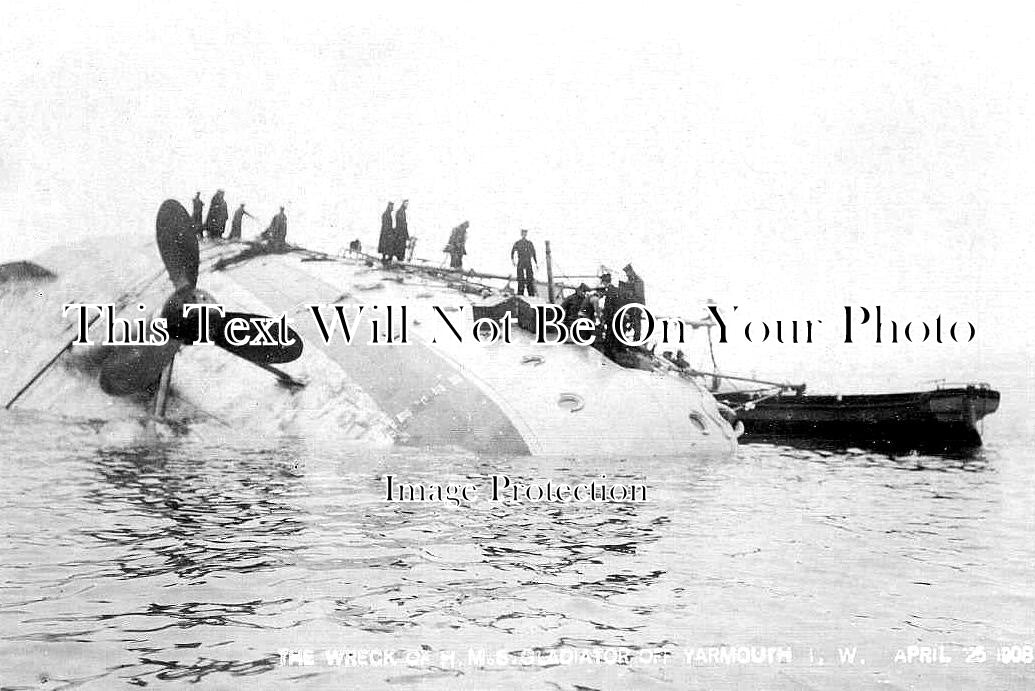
516	398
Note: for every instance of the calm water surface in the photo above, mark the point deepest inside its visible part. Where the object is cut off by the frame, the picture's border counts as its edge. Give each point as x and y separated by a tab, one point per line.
186	561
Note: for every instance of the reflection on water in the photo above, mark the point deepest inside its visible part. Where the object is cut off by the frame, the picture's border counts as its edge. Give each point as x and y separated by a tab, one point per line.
837	453
873	449
201	522
185	561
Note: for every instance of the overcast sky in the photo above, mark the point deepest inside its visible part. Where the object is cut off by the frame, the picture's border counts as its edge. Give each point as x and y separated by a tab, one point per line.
792	158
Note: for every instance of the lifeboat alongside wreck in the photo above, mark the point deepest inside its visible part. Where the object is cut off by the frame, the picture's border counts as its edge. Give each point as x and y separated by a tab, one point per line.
500	398
946	418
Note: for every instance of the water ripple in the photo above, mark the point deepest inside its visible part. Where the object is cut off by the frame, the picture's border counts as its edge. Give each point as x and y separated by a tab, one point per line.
187	562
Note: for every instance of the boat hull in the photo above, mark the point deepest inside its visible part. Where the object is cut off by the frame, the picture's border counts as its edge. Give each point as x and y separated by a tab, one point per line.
947	418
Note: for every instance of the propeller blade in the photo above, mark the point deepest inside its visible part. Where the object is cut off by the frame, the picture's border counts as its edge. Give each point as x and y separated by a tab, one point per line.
262	353
132	369
177	243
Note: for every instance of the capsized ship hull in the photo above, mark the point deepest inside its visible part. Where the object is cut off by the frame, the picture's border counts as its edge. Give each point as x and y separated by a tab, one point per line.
503	398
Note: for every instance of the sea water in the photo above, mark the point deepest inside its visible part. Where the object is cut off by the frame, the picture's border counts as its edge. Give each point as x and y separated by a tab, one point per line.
204	552
190	559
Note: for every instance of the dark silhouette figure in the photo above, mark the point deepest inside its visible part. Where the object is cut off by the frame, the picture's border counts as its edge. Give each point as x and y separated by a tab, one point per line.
572	305
628	292
607	293
402	232
235	224
196	216
217	216
457	246
524	251
276	234
386	242
680	361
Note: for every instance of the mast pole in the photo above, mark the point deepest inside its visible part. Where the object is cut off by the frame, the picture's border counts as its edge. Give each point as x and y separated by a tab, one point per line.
549	273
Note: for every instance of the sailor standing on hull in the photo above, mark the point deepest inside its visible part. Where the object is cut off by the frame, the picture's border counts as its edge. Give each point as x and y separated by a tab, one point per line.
217	215
630	291
601	305
524	251
386	241
456	248
609	295
235	224
276	234
402	232
196	217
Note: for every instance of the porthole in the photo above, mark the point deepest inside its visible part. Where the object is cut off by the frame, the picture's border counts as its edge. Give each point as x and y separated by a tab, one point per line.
699	422
570	402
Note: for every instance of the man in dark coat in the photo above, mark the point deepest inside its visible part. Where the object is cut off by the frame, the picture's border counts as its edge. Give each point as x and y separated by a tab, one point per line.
217	215
235	224
524	251
457	246
605	333
572	305
276	234
386	242
196	217
628	292
402	232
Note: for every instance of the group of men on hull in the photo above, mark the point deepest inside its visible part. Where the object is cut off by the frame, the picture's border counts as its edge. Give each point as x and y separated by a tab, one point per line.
522	256
394	242
602	303
599	304
214	224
